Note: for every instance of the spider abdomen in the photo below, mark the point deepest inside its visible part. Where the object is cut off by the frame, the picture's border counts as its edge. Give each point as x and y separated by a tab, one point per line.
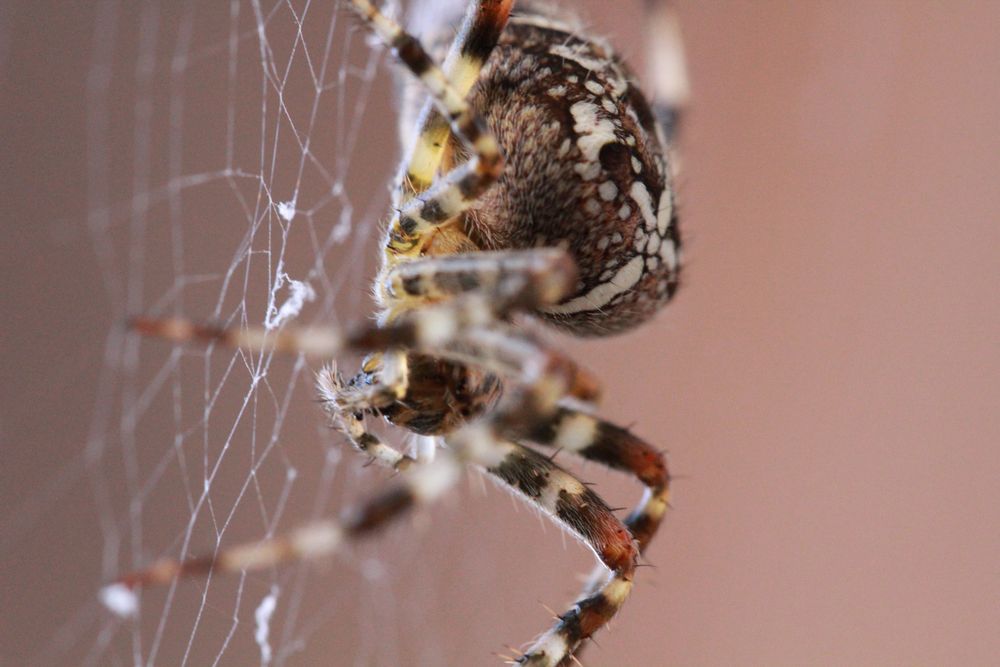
586	170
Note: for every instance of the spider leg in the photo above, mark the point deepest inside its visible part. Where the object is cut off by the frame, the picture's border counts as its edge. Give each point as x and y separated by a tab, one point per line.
667	67
510	280
320	342
524	279
484	288
553	489
419	485
463	185
507	351
576	507
346	409
581	511
597	440
423	328
479	34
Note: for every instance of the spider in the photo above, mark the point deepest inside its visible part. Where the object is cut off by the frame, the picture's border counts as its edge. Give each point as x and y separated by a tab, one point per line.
538	183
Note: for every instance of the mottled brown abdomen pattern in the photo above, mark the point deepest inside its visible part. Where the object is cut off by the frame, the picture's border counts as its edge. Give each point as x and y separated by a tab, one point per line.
586	170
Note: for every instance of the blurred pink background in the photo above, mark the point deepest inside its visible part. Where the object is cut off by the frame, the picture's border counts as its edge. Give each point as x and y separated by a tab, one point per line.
827	382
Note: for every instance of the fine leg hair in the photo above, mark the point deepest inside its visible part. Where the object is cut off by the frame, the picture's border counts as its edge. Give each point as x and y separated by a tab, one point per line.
595	439
585	514
473	44
547	485
459	188
346	411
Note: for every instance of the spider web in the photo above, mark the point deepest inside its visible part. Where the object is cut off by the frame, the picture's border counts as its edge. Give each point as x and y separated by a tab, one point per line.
236	175
237	162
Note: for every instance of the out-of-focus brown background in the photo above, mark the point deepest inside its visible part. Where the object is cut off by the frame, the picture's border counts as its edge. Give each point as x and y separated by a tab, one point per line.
828	381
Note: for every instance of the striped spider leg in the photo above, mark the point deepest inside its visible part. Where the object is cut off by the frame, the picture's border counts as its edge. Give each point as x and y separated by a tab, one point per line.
460	187
667	68
469	51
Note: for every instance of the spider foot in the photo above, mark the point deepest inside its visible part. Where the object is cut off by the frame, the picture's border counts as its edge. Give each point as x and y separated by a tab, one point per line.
346	403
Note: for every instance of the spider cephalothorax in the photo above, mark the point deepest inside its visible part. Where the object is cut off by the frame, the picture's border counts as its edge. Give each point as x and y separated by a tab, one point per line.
537	183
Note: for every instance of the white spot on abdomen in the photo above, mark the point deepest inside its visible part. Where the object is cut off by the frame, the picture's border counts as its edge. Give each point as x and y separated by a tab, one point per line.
669	253
624	279
640	195
607	190
664	211
594	132
575	54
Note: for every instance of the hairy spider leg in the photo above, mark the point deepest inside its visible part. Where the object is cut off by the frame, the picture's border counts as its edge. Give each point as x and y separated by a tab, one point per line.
595	439
503	283
479	34
598	440
541	276
537	403
667	68
419	485
507	351
346	407
586	515
459	188
427	328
